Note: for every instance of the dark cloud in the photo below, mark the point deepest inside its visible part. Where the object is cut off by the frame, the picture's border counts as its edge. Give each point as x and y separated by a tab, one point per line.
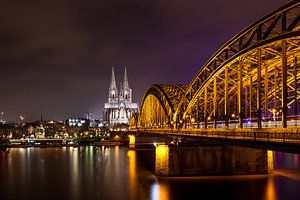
56	56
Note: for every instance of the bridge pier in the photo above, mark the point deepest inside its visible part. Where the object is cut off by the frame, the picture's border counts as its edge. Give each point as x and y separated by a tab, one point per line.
131	141
162	160
211	160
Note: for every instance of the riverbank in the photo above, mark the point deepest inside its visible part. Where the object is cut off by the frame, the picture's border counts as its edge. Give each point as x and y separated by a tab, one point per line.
75	144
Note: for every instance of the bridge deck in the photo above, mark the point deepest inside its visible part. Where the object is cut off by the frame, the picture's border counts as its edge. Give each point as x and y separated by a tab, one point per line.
281	138
270	135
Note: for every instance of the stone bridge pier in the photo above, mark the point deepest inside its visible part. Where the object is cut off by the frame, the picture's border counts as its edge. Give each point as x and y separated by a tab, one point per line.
211	160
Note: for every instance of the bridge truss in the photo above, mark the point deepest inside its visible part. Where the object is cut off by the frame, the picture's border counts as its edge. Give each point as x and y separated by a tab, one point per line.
251	81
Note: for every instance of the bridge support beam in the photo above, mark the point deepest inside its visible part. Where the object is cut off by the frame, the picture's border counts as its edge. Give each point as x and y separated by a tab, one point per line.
259	88
215	103
205	107
240	89
226	98
250	94
296	90
266	88
197	113
284	85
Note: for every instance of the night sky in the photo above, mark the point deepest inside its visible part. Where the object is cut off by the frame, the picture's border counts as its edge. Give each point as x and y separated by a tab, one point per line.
56	55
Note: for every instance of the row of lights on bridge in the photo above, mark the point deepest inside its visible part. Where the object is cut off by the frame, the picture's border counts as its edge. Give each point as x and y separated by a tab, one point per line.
233	116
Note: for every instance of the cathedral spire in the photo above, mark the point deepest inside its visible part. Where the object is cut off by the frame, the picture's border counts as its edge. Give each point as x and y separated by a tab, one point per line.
119	108
125	85
113	80
113	92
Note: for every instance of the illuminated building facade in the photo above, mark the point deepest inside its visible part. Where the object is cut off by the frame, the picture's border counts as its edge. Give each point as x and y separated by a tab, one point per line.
78	122
119	108
40	131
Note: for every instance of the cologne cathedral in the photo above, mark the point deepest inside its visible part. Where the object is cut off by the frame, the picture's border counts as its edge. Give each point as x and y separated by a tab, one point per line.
119	108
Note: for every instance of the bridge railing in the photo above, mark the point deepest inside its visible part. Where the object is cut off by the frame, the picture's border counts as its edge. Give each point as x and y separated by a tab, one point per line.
281	135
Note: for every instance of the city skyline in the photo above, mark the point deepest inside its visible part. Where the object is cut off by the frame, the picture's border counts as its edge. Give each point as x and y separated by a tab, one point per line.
56	56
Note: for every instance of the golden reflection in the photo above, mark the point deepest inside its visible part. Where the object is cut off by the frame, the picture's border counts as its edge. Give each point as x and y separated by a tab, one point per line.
159	191
28	160
270	161
131	141
74	171
91	160
132	174
163	192
162	160
117	160
270	189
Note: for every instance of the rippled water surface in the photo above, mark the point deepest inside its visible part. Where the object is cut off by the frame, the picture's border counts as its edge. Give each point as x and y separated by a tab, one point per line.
119	173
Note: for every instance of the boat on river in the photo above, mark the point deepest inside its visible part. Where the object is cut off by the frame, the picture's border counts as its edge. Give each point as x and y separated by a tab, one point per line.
107	143
4	143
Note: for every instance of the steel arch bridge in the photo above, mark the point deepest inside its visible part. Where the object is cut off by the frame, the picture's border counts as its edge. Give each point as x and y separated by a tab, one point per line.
251	81
159	104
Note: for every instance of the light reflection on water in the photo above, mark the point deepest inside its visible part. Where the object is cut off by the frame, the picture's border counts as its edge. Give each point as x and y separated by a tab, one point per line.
122	173
74	167
132	173
159	191
287	161
270	189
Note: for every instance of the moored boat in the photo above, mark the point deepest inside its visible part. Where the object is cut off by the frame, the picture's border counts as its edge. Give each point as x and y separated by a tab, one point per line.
4	143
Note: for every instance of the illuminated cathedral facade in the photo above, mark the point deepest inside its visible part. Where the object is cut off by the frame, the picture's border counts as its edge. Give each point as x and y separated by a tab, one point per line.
119	108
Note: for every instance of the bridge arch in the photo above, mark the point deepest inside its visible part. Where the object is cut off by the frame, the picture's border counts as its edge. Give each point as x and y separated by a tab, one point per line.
159	104
133	123
251	79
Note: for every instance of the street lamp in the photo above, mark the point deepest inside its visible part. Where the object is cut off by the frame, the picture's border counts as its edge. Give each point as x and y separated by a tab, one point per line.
274	114
192	120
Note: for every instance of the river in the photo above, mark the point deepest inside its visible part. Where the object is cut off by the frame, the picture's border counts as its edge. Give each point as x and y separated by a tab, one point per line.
113	173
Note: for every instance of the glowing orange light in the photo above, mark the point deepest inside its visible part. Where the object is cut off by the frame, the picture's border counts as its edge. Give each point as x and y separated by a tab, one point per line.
131	139
161	159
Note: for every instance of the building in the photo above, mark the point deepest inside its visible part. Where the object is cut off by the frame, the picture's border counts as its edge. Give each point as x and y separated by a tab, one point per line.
40	131
79	122
119	108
